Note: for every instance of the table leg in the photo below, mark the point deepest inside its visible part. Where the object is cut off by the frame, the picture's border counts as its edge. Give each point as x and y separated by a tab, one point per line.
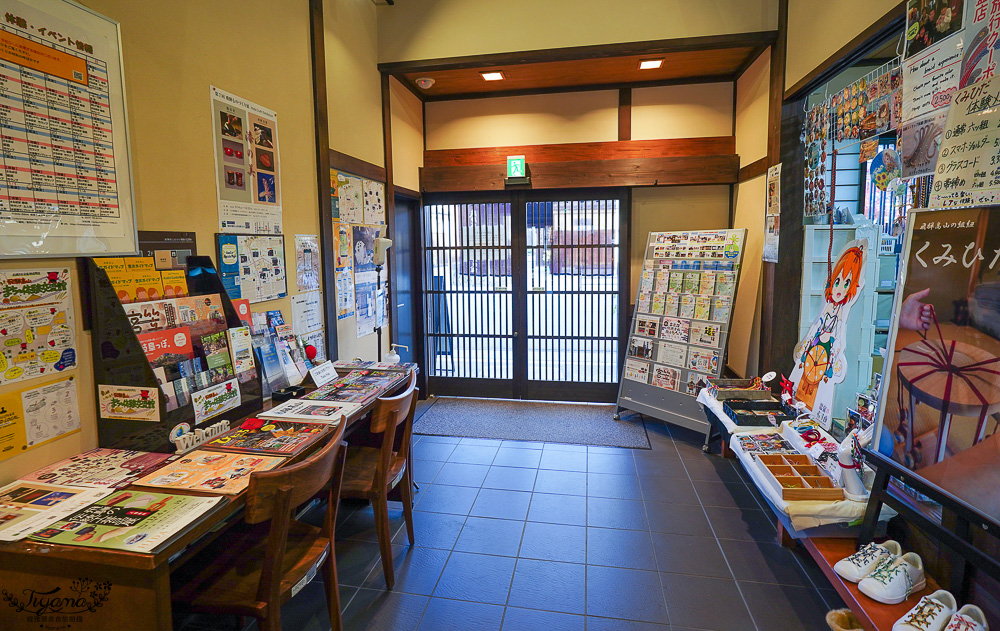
785	539
912	428
944	427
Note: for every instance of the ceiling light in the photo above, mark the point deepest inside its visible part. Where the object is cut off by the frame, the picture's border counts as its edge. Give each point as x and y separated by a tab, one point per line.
650	64
495	75
424	82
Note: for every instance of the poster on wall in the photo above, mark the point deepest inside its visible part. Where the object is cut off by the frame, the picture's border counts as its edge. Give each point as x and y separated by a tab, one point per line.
307	312
307	262
928	23
35	416
772	215
169	250
942	379
365	278
919	143
930	77
252	266
64	61
819	357
37	332
347	197
966	172
247	173
982	28
374	193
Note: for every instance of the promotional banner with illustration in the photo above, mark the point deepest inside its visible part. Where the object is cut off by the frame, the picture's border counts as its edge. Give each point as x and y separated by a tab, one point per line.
35	416
213	401
941	386
248	178
128	403
820	363
37	334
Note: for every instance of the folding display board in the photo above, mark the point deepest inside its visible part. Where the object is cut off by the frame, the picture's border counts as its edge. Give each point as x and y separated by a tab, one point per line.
122	369
683	312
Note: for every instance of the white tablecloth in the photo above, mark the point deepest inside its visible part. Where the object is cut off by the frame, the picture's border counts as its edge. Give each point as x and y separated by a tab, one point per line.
715	406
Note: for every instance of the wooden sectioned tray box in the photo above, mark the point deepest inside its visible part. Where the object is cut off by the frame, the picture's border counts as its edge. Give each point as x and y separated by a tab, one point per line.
726	389
746	413
796	478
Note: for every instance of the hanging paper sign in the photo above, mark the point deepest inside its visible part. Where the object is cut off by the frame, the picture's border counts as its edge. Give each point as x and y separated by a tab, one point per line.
968	165
819	357
129	403
930	78
919	141
982	26
884	168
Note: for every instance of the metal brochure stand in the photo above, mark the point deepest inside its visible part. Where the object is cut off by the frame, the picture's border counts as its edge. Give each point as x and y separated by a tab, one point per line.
652	362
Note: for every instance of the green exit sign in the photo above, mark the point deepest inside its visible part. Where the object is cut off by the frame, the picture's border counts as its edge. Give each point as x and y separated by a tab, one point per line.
515	166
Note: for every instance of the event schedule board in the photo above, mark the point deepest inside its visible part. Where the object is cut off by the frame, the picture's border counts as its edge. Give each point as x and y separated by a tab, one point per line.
681	323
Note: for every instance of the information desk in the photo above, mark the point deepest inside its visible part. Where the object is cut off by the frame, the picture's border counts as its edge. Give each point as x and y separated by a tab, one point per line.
45	576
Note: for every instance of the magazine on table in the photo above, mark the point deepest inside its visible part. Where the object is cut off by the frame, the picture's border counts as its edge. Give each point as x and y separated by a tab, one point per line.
210	471
357	393
269	437
135	521
116	468
316	411
27	506
386	379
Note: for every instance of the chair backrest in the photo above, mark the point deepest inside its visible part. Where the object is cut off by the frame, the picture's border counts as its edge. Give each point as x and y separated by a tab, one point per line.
388	415
304	479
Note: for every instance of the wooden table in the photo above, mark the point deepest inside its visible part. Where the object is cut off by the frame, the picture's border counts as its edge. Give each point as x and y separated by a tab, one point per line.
42	574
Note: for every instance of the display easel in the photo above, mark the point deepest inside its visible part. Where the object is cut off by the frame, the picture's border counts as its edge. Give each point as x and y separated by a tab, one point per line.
119	360
677	406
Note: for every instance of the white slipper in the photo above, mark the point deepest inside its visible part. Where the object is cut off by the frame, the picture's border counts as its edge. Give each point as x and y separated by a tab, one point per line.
863	562
892	582
968	618
932	613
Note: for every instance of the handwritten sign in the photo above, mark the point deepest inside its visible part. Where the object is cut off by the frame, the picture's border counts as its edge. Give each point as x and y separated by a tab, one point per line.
930	77
968	167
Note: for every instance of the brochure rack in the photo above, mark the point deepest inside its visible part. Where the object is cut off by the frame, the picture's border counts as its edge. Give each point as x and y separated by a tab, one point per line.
119	360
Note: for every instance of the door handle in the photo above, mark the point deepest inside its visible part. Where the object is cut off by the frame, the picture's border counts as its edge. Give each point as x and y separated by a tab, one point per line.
515	334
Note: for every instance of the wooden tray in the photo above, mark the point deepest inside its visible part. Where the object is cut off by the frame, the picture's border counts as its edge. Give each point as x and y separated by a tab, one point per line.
796	478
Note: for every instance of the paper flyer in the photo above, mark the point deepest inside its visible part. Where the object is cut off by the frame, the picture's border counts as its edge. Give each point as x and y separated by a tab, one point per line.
636	371
128	403
920	141
672	354
347	197
772	215
100	467
374	195
35	416
342	234
210	471
317	411
345	294
241	349
248	174
252	266
365	278
307	312
167	347
215	400
26	506
675	330
307	255
930	77
666	377
37	333
152	316
128	520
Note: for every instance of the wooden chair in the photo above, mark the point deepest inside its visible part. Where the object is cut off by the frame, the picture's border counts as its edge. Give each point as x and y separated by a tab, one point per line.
372	472
255	567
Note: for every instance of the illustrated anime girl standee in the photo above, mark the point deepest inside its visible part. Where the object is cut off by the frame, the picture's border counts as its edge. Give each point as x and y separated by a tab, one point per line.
819	358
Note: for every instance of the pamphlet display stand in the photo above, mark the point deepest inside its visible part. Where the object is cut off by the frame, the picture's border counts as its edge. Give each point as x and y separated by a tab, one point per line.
681	323
119	360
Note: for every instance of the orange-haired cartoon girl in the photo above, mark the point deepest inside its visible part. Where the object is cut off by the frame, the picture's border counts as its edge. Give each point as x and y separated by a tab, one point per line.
819	357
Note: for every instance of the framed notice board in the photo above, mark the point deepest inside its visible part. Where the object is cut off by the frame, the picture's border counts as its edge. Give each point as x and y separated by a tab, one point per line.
680	328
63	128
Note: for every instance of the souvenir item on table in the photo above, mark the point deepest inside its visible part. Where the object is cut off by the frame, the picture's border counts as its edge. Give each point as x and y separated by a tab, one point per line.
269	437
892	582
864	561
968	618
932	613
795	477
210	471
100	467
753	388
819	357
757	413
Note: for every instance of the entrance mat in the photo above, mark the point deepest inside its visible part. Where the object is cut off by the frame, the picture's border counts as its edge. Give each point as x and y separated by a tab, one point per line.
572	423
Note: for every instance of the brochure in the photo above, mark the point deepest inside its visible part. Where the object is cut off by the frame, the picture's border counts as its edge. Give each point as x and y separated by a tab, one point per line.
318	411
210	471
358	393
26	506
269	437
115	468
240	347
134	521
167	347
215	400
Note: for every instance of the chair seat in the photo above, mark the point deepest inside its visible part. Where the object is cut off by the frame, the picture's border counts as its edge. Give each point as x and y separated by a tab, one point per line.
223	578
359	472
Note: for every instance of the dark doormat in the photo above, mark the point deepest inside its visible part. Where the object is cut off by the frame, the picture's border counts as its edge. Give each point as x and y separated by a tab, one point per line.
531	420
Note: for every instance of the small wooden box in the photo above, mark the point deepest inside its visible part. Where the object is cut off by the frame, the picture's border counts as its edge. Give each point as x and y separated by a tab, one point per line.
796	478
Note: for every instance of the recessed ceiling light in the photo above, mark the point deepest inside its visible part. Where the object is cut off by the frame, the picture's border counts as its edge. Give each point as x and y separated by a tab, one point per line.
650	64
492	76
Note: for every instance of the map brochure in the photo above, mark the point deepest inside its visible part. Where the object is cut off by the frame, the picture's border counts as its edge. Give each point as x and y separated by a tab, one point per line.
134	521
209	471
116	468
317	411
27	506
269	437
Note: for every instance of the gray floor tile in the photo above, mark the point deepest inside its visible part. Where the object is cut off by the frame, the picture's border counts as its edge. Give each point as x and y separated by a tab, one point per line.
516	619
484	535
615	624
734	523
683	554
564	447
694	601
424	471
479	578
712	468
473	454
784	606
430	438
355	559
432	530
416	570
669	490
764	562
516	457
550	586
482	442
373	610
610	462
558	509
432	451
511	478
561	482
522	444
726	494
679	519
438	498
501	504
629	594
361	524
620	548
455	615
661	464
554	542
564	460
623	487
604	512
458	474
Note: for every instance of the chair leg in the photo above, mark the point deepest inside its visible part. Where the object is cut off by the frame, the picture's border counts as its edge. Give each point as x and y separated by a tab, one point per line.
406	490
332	590
381	506
273	620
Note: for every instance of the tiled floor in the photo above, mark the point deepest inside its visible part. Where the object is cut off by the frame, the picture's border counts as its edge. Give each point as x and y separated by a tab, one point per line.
552	537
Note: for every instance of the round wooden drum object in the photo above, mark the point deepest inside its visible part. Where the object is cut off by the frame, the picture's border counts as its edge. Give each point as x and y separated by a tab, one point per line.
926	366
